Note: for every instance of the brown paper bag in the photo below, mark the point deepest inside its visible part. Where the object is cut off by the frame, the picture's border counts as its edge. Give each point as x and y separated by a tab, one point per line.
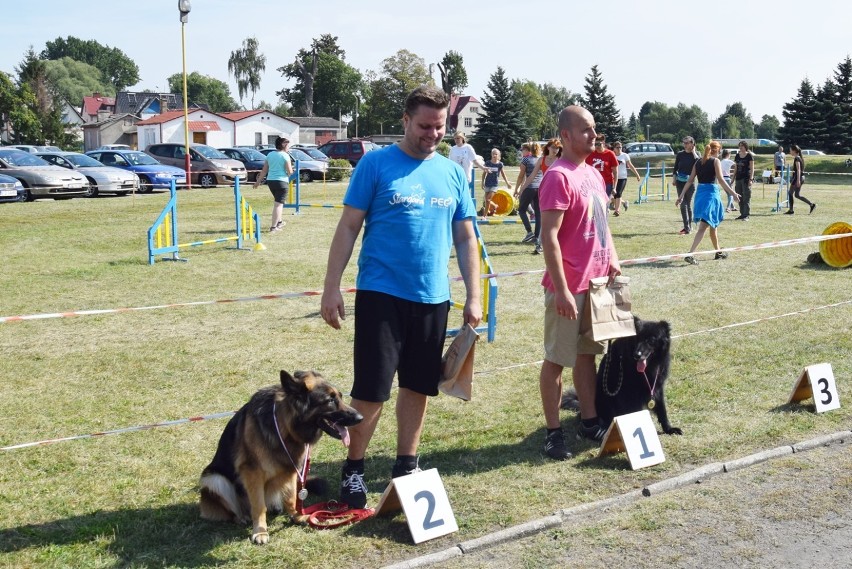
457	364
607	315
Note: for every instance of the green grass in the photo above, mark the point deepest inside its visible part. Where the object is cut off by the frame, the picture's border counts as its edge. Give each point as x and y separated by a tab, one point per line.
130	500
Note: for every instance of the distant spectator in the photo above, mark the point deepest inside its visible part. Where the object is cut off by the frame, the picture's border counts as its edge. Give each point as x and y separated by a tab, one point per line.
552	151
797	178
465	156
277	171
530	152
684	161
779	161
727	164
490	180
743	179
604	161
623	164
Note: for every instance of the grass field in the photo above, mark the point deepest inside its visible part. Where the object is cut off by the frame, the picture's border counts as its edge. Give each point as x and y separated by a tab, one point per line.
129	500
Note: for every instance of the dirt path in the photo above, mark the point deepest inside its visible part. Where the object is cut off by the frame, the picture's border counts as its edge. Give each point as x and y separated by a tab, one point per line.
794	511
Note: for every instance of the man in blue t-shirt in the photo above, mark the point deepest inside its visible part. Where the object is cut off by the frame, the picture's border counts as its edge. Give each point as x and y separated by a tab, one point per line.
414	205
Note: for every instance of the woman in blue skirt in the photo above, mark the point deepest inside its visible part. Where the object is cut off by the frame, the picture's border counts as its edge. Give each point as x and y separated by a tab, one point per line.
708	210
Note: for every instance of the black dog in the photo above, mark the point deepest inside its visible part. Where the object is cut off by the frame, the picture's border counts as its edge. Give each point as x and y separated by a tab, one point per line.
632	375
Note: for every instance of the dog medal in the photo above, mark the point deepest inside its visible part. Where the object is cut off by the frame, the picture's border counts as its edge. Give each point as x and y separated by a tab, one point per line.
651	404
303	494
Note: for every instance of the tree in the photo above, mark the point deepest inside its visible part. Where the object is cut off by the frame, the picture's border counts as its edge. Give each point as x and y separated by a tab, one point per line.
116	67
400	75
735	122
453	73
501	124
203	89
536	112
768	127
307	71
802	122
557	98
72	80
602	106
16	106
633	128
672	124
246	65
835	98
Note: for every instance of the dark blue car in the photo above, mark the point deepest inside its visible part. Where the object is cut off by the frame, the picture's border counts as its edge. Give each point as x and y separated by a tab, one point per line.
152	174
252	159
11	190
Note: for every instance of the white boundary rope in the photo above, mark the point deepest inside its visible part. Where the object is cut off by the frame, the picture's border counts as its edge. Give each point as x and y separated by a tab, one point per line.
74	313
229	414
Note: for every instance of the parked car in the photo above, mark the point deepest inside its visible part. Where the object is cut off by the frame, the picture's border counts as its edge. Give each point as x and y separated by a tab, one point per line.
151	173
812	153
11	189
102	179
40	179
309	169
113	147
312	151
251	159
352	149
32	149
209	166
649	150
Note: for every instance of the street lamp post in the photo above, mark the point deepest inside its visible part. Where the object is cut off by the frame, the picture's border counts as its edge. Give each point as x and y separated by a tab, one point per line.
184	6
647	132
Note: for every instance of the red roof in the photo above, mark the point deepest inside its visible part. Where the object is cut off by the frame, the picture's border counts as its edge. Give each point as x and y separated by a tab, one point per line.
91	105
240	115
161	118
203	126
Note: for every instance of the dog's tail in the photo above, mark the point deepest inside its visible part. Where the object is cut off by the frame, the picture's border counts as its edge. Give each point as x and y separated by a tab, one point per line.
219	500
570	400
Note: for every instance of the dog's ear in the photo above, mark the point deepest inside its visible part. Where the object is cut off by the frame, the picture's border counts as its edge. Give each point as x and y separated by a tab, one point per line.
667	327
290	383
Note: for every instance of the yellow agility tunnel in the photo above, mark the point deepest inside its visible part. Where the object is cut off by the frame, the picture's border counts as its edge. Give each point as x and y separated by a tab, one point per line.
504	201
837	252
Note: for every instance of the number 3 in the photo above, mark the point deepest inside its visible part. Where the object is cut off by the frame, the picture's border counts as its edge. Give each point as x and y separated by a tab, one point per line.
823	383
428	523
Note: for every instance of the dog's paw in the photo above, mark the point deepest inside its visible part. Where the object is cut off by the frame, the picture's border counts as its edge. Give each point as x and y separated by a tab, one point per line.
260	538
300	519
673	431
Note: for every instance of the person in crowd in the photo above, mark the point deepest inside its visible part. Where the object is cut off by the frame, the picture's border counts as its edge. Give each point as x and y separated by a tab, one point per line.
684	161
778	161
604	161
743	179
708	206
530	152
490	180
727	165
797	178
465	156
414	206
578	246
277	171
624	163
552	150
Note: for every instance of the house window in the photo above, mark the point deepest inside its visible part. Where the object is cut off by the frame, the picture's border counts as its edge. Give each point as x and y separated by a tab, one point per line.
474	109
468	122
258	139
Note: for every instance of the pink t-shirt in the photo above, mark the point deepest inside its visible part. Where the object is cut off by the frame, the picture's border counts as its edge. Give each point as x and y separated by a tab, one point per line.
584	237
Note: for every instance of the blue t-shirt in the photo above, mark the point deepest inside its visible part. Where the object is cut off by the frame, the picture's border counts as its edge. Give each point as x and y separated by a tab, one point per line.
411	205
276	161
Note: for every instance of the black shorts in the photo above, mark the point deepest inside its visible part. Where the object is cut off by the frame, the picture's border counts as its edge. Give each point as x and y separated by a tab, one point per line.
279	189
393	335
619	187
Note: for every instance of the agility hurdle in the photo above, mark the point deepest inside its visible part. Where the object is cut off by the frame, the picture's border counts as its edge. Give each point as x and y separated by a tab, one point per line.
665	188
489	294
163	234
783	187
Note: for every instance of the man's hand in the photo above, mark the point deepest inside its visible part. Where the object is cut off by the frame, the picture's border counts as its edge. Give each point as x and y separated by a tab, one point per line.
332	308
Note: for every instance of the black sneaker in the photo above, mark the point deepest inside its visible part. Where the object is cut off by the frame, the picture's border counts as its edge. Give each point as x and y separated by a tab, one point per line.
554	446
789	212
813	207
593	433
400	470
691	260
353	491
721	255
624	205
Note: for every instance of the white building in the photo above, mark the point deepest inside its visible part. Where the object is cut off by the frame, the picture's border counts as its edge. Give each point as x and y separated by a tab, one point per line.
260	127
204	128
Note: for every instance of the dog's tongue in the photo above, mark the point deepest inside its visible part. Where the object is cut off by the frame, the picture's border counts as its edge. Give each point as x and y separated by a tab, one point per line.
344	434
641	365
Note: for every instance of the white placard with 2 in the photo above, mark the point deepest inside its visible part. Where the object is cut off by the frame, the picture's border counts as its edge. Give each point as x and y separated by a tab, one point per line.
426	505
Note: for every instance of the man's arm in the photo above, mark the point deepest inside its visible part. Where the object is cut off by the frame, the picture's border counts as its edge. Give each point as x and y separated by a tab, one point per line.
348	228
467	252
551	221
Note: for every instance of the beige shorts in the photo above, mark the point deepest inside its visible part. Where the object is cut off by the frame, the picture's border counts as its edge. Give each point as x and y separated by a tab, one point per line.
562	339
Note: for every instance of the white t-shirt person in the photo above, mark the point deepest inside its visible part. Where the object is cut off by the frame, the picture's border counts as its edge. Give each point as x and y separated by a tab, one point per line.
465	156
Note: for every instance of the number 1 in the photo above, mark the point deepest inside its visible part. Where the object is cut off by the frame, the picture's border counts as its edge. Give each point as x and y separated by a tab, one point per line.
646	453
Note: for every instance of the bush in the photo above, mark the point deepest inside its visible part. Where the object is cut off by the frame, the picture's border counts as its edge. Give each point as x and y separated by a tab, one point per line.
443	149
338	170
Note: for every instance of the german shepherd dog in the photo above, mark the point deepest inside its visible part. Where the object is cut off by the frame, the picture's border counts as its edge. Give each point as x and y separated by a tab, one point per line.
632	376
262	452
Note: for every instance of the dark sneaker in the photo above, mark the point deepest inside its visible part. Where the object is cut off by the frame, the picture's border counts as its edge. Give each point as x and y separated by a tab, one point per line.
554	446
593	433
538	250
789	212
400	470
624	205
813	207
530	237
691	260
684	232
721	255
353	491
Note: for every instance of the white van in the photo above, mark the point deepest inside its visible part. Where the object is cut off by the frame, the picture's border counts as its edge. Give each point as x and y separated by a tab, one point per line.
649	150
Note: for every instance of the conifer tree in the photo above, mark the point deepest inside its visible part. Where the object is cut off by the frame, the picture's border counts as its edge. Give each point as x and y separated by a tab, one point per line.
602	106
501	124
802	123
839	123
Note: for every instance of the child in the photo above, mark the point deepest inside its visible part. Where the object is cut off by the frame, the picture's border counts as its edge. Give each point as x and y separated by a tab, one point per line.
494	168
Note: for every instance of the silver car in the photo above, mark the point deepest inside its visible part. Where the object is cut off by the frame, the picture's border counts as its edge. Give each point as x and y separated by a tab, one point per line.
102	179
309	168
41	179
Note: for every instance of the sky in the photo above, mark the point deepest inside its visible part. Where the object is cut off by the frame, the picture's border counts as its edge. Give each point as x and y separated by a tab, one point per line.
755	52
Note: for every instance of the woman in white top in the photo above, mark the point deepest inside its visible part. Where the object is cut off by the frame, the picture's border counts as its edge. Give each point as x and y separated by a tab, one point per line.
727	164
623	164
465	156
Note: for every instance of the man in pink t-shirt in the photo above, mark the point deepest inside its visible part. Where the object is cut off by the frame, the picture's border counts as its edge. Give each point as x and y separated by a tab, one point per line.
577	247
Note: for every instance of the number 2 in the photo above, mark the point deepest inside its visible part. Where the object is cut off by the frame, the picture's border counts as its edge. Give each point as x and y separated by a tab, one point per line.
645	452
429	523
823	383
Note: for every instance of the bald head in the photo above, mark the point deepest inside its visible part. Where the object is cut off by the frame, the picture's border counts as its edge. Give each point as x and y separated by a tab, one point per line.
570	116
577	130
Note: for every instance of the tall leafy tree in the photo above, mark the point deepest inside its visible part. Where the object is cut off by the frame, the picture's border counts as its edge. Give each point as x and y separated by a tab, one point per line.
117	68
601	104
735	122
671	124
502	123
767	127
17	104
802	121
400	74
453	73
314	71
536	111
72	80
247	64
204	89
557	98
